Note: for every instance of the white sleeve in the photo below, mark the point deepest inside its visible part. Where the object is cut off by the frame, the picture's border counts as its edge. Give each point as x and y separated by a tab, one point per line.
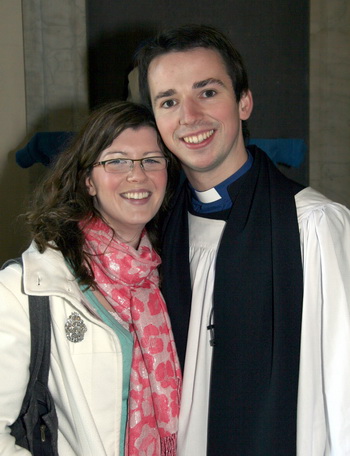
324	381
14	355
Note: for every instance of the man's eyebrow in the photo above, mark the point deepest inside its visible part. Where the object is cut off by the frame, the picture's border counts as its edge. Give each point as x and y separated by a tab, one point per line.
205	82
165	94
196	85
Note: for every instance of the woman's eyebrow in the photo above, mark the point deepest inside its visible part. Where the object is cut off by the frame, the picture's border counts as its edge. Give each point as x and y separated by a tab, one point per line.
145	154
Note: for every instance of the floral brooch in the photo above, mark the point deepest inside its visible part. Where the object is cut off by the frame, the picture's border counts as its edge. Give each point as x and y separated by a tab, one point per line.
75	328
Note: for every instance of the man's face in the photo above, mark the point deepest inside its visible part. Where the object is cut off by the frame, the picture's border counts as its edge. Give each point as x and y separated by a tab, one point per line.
197	114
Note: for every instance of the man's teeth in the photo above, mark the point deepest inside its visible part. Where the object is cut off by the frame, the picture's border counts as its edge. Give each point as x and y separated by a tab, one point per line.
196	139
136	196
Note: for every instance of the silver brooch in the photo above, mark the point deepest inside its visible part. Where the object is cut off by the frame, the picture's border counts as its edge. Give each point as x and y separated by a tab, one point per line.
75	328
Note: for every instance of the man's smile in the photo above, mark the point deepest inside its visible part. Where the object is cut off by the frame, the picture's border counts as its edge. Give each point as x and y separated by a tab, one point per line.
196	139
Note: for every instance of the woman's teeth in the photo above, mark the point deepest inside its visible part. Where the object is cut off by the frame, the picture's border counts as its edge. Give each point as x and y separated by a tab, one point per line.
136	195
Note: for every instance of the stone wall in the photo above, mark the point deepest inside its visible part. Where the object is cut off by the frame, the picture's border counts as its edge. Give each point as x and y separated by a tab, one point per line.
330	98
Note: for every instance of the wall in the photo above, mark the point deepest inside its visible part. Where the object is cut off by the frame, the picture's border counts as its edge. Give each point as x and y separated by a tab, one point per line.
55	68
330	98
43	49
13	180
55	64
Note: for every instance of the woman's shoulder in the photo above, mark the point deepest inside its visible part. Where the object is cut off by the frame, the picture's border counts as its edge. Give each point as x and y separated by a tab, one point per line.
40	272
11	272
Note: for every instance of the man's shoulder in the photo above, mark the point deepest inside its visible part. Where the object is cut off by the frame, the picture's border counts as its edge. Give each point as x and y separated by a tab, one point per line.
310	202
309	195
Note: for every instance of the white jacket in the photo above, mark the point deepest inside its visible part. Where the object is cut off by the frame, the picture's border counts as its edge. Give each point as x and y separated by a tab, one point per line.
85	377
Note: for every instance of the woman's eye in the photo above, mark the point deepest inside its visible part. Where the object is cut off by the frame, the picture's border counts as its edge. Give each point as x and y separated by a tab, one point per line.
209	93
169	104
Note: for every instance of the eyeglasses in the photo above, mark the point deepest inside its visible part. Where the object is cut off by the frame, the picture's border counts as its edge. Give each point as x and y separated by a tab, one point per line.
125	165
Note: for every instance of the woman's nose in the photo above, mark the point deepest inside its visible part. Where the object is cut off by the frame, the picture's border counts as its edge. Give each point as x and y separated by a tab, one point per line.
136	172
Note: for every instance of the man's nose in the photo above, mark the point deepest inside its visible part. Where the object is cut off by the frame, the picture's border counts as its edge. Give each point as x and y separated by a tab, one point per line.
190	112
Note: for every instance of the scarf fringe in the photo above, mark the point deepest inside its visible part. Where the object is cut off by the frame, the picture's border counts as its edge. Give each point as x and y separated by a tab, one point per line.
168	445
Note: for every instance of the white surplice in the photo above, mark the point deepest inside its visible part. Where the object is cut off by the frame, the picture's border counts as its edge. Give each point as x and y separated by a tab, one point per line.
324	379
323	424
204	240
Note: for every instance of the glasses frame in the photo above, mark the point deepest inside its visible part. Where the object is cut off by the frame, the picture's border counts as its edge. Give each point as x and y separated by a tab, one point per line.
132	164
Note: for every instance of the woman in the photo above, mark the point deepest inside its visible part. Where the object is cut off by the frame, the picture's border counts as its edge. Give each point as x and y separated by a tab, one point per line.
117	383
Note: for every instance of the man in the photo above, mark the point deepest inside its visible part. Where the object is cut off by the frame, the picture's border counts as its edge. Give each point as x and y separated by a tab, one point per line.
256	268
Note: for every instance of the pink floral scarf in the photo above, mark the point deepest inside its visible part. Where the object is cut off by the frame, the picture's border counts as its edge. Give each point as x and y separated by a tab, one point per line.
128	279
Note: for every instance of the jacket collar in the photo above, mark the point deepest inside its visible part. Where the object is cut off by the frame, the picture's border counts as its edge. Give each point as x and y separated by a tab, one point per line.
47	273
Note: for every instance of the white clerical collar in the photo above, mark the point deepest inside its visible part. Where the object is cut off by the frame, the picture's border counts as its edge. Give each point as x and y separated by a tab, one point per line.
208	196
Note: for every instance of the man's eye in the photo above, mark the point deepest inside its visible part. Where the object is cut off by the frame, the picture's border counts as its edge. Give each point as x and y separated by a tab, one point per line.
209	93
168	104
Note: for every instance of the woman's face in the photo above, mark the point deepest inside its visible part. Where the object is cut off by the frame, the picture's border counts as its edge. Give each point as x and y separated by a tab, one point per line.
128	200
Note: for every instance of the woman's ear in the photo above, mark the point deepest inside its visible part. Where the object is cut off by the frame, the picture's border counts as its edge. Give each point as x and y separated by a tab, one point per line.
245	105
90	186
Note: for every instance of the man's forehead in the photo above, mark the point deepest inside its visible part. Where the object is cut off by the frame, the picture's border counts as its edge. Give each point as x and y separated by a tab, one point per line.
196	53
207	63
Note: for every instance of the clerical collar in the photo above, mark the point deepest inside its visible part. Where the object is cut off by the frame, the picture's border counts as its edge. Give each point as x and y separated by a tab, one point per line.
217	198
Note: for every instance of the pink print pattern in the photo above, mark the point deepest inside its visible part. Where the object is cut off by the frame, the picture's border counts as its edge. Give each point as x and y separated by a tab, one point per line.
128	278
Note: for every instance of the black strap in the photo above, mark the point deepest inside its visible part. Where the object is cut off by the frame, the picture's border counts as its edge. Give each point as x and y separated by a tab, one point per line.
39	314
24	428
40	330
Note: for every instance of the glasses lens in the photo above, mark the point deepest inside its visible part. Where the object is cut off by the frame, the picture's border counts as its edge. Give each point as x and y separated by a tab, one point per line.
124	165
118	165
154	163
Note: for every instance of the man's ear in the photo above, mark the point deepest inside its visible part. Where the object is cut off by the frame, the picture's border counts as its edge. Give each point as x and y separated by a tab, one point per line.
245	105
90	186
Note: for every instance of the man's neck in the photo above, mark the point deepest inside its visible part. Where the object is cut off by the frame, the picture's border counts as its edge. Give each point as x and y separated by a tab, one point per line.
205	180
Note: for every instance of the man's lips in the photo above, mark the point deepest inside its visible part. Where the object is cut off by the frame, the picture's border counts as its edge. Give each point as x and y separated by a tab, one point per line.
199	138
136	195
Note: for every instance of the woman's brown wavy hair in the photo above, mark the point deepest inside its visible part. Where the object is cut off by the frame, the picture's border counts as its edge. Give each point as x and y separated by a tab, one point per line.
62	200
